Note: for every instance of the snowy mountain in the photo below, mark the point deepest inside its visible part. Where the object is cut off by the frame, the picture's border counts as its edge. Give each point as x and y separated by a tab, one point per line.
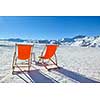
13	40
80	40
87	41
83	41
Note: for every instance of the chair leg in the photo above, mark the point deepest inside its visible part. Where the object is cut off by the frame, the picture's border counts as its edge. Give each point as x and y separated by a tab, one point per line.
29	64
45	66
29	68
55	63
13	69
33	56
13	66
39	60
14	61
56	59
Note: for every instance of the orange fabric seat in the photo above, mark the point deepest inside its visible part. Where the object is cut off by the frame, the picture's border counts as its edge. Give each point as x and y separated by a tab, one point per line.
22	52
48	53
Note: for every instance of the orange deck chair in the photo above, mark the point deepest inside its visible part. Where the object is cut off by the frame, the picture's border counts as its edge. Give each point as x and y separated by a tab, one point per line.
22	52
49	54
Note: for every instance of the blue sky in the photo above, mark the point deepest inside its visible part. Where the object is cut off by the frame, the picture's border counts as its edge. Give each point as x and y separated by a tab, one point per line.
48	27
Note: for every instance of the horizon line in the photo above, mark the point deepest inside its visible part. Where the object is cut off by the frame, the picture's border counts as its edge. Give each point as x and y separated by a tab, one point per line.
49	39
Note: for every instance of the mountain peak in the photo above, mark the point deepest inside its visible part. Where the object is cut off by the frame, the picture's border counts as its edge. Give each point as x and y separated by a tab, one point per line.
79	36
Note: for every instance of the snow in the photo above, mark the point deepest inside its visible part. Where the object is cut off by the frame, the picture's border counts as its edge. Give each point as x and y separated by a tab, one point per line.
83	60
86	41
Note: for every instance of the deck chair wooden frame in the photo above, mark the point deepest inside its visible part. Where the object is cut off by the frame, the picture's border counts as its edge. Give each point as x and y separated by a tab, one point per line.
24	54
50	52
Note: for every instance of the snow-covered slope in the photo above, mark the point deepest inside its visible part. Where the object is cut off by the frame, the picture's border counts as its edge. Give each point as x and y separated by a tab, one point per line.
85	41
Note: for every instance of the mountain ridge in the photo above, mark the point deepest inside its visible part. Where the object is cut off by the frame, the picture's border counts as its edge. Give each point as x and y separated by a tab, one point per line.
79	40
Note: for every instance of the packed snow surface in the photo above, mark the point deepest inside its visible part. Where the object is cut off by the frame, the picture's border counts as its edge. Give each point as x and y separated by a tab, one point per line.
83	60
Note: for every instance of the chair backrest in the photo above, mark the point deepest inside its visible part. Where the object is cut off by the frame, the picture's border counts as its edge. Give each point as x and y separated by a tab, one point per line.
24	51
50	51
